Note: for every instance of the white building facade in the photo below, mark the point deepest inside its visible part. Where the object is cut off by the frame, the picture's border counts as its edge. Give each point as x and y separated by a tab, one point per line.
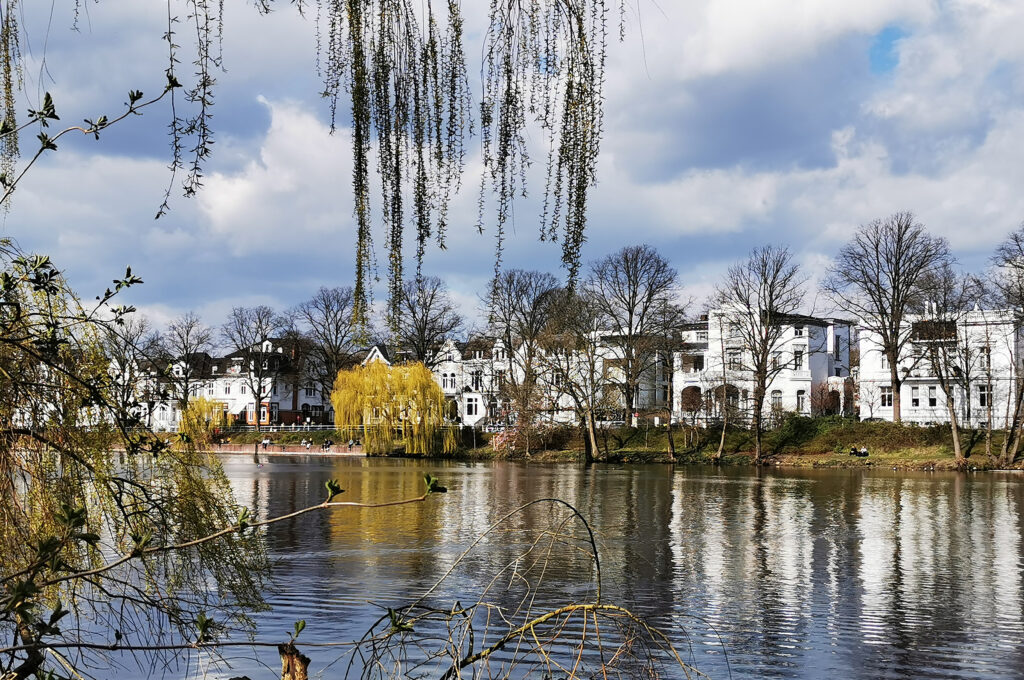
810	362
981	359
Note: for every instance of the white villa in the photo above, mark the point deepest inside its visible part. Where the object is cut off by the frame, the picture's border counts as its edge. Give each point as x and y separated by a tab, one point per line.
984	350
289	399
473	375
711	371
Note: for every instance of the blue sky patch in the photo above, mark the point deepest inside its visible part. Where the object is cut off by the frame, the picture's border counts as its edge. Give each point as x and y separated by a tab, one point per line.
883	55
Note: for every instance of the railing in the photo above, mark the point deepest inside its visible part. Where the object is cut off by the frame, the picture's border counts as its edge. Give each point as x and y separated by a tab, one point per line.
278	428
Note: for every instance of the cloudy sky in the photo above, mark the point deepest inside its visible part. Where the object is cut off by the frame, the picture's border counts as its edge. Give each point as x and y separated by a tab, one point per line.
730	124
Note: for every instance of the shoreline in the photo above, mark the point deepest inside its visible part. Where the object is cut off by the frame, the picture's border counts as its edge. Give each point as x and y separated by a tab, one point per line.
878	461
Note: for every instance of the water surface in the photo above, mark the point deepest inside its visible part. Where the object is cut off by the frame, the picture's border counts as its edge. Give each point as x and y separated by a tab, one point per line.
760	573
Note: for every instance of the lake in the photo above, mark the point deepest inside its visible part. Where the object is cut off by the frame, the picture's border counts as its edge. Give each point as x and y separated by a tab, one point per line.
752	573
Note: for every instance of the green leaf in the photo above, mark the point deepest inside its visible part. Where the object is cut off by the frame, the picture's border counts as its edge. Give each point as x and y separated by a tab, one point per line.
46	142
433	484
333	489
300	626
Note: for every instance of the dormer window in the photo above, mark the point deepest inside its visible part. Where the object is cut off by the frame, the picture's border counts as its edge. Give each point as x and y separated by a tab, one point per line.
798	331
213	369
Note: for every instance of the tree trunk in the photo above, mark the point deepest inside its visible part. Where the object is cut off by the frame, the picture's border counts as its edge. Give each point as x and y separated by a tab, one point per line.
721	440
757	428
592	436
671	440
294	664
897	383
954	427
1010	441
988	417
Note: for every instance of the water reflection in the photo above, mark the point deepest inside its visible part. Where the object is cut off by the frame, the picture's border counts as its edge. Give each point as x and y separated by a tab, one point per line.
797	574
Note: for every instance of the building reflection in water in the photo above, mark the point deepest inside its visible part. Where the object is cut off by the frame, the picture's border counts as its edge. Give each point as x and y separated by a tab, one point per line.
797	574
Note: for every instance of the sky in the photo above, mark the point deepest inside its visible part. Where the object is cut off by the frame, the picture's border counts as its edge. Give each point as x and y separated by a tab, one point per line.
730	124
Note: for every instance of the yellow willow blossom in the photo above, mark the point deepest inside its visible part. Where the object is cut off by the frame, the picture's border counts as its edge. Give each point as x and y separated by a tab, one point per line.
392	406
200	418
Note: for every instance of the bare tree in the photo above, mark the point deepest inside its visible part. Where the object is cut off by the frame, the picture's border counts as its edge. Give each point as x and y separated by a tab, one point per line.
427	317
571	359
187	343
758	297
326	323
877	277
637	295
942	338
519	305
1007	279
251	333
133	349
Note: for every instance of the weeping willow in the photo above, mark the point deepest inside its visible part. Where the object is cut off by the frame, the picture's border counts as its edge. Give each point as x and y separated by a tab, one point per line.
200	418
392	406
85	491
401	69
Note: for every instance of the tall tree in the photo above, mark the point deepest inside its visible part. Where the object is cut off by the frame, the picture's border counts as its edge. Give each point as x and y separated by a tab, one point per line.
326	322
253	335
427	317
943	340
571	356
187	343
1007	278
636	292
133	349
758	299
519	305
878	278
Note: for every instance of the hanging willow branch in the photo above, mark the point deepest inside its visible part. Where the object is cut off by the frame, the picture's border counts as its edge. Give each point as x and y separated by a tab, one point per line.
401	68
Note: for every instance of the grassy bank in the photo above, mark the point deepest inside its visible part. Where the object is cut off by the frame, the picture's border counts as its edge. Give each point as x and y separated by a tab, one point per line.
805	442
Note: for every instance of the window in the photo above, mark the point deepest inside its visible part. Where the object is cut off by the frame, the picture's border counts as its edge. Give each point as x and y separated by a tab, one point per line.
698	363
985	358
227	389
801	399
209	391
798	331
274	390
702	336
984	395
915	397
664	393
776	399
835	348
478	354
798	360
776	359
839	373
477	379
732	360
885	362
472	406
243	390
310	391
886	396
932	396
